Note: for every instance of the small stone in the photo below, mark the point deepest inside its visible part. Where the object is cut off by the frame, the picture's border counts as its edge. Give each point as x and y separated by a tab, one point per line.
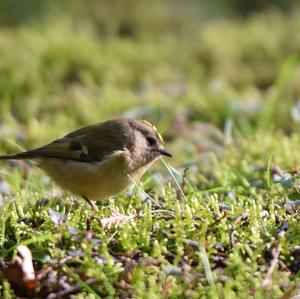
264	214
4	188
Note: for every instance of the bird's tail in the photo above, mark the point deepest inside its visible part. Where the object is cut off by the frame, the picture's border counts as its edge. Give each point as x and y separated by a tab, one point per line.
20	156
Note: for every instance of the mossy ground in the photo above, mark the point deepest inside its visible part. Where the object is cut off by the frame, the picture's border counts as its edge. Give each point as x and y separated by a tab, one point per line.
223	92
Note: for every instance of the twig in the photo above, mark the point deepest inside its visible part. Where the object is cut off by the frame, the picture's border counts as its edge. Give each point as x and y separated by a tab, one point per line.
238	219
218	220
72	289
275	252
171	217
42	273
80	281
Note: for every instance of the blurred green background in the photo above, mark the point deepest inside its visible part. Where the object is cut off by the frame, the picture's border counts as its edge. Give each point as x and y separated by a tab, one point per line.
70	63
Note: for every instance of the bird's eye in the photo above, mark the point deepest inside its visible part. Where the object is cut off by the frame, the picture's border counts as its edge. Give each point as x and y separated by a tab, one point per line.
151	141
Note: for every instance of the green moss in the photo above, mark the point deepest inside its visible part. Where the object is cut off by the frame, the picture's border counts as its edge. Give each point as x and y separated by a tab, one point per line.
223	92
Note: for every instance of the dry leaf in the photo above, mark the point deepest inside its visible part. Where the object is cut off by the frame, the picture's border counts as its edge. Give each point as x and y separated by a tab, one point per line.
20	272
116	219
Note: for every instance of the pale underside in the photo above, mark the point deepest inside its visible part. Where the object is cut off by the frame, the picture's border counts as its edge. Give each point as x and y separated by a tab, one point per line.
95	181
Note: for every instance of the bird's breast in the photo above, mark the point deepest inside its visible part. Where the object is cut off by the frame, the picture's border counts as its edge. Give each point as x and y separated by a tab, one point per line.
93	180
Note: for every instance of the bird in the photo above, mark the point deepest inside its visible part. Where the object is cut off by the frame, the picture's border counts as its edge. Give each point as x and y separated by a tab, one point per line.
101	160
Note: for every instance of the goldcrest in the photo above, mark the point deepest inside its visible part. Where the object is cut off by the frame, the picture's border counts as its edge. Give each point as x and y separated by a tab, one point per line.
101	160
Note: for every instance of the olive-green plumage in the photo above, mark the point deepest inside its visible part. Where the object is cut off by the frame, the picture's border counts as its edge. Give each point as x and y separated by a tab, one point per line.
100	160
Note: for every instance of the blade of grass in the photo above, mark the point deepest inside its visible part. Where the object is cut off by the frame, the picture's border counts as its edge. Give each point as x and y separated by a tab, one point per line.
4	214
174	178
212	190
206	265
12	142
136	186
268	173
32	240
133	191
81	282
271	106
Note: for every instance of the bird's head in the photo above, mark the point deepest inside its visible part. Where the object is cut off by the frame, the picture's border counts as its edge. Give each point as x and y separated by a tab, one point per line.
148	144
139	138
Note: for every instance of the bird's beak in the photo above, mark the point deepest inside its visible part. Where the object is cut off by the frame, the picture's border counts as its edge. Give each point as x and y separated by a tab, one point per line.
163	152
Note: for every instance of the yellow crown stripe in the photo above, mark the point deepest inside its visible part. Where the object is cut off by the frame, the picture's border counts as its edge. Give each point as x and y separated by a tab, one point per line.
152	126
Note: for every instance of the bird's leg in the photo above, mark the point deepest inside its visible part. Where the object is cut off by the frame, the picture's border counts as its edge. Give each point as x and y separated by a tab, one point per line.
91	203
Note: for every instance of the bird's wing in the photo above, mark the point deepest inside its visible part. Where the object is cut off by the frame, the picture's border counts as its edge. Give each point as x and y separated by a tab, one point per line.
82	148
89	144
